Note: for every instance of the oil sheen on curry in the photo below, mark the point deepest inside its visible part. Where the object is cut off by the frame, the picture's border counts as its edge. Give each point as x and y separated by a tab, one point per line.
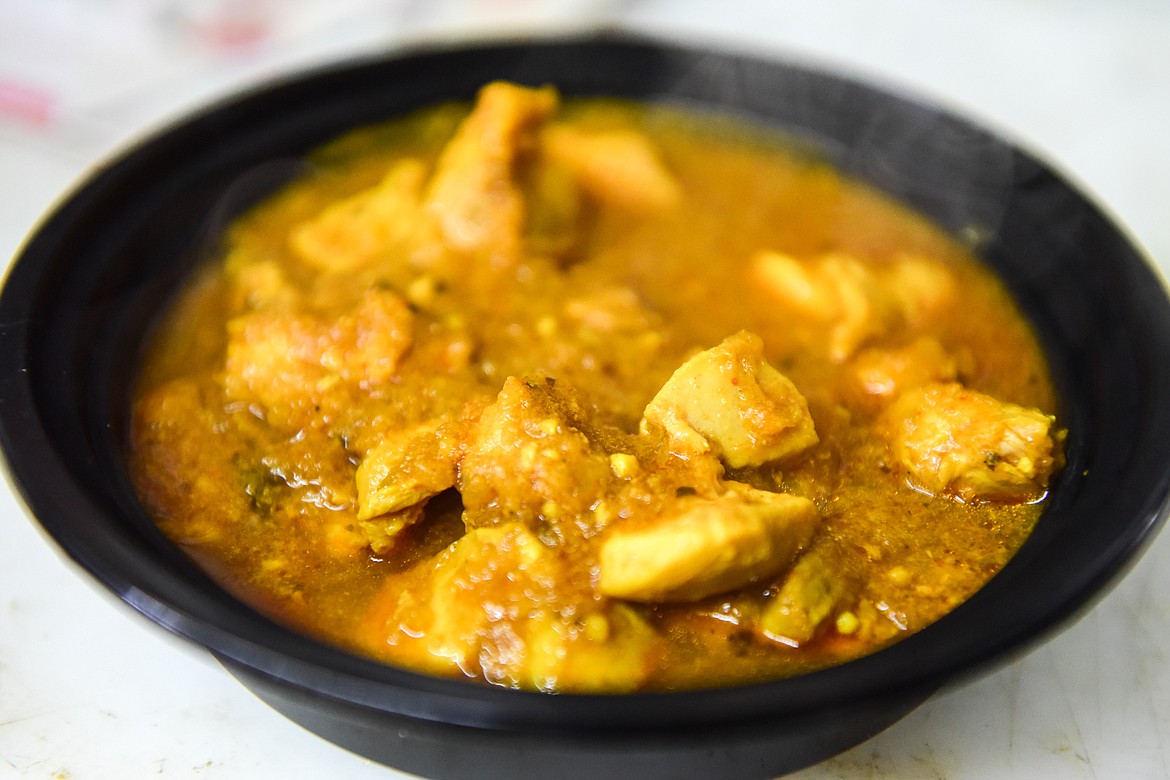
584	396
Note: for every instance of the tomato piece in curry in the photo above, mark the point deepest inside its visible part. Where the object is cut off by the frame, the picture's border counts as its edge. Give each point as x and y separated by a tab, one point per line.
586	396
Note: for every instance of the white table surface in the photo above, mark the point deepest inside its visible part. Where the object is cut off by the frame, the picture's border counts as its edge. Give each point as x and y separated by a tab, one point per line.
90	690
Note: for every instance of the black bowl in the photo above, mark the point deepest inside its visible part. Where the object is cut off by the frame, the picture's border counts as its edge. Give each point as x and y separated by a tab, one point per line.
84	291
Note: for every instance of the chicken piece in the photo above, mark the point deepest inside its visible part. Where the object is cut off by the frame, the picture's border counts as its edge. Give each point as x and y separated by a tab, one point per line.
293	363
437	613
619	167
365	347
473	193
601	340
554	208
955	441
921	287
610	311
865	307
381	533
259	284
605	651
836	290
355	232
488	606
798	287
810	594
706	546
528	458
879	375
728	398
274	360
407	467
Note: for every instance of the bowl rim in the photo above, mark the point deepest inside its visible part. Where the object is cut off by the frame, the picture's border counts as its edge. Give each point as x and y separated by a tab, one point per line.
41	472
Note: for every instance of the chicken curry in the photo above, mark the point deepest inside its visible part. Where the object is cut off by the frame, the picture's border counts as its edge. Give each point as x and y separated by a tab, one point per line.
588	396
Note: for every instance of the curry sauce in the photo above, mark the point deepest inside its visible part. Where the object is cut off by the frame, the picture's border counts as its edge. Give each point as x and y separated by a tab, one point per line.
591	396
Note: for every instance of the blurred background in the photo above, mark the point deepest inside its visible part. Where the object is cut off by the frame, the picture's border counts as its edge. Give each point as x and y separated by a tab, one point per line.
89	690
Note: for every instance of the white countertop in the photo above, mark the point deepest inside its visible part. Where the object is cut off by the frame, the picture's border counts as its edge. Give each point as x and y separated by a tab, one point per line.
89	689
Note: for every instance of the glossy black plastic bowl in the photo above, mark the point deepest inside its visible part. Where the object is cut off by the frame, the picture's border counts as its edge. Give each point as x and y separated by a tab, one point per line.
86	286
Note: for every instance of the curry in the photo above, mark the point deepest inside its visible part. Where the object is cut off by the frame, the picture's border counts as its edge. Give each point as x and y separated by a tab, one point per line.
587	396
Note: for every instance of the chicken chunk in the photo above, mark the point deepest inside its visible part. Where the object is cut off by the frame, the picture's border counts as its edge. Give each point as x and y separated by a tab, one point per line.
602	339
382	532
407	467
808	597
836	291
436	612
486	606
554	208
879	375
527	458
618	167
259	284
706	546
955	441
728	398
293	363
365	227
855	301
604	651
610	311
473	193
799	287
922	288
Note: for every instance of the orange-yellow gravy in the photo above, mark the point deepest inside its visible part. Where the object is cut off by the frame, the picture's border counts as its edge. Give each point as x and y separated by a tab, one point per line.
588	396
